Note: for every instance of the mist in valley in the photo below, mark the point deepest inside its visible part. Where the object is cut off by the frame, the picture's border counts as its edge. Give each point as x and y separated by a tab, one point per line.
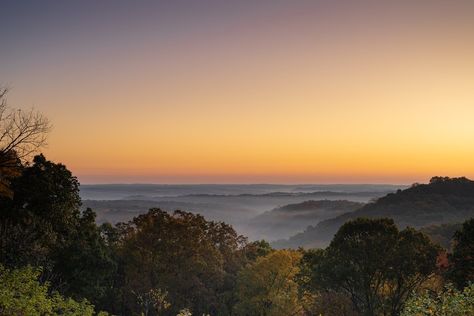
258	211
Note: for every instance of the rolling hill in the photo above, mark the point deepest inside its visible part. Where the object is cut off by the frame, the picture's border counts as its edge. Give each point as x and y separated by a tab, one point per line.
442	200
285	221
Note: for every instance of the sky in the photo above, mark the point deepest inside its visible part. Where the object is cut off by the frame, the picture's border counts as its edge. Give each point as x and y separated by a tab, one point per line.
247	91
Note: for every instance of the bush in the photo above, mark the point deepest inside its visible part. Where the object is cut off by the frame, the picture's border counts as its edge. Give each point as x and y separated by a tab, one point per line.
22	294
450	302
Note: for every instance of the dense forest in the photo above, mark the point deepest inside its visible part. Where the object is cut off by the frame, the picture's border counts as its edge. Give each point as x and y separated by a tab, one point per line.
56	260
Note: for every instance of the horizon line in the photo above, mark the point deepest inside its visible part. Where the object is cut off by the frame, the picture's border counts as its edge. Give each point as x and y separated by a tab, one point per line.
236	183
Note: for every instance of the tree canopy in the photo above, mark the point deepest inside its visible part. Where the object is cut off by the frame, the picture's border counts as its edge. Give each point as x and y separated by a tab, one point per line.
268	286
42	225
462	257
21	293
373	263
449	302
195	261
55	259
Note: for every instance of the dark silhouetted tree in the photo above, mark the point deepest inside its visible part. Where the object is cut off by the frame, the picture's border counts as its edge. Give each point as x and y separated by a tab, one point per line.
462	259
195	261
22	133
42	225
372	263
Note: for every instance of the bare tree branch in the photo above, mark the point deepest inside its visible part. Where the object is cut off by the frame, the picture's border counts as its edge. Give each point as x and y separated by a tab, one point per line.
22	133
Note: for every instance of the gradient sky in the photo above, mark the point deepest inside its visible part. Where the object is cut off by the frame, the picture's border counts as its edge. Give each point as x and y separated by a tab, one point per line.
247	91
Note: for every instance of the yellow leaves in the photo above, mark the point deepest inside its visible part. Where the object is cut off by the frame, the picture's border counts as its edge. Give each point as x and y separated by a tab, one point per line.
268	285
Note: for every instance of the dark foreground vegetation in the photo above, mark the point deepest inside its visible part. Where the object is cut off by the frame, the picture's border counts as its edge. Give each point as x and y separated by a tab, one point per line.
56	260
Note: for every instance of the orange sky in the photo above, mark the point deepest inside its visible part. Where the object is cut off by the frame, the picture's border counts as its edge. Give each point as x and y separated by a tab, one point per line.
279	92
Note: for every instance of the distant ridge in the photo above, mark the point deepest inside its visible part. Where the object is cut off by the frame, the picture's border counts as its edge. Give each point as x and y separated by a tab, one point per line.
442	200
287	220
316	205
154	191
316	193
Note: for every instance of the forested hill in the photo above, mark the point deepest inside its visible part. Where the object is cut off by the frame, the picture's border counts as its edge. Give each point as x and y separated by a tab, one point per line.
313	205
443	200
285	221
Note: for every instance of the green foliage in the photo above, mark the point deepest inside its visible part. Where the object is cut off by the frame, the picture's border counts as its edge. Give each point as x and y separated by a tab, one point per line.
184	312
328	303
120	268
43	226
450	302
268	287
163	264
153	301
372	263
462	258
86	262
194	260
257	249
22	294
40	217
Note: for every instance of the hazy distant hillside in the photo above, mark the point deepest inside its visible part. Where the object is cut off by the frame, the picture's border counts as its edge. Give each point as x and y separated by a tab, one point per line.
443	200
157	191
114	211
236	204
285	221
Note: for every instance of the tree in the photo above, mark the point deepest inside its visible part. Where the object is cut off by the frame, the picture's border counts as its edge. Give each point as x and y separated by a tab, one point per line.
21	293
86	264
22	133
10	167
42	225
268	286
41	216
449	302
462	259
373	263
192	259
257	249
152	301
318	300
329	303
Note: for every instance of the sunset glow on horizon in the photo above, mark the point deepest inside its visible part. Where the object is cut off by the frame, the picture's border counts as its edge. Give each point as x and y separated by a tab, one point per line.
274	92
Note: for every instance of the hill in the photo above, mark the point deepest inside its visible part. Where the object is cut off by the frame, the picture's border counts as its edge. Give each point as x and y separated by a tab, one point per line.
285	221
442	200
